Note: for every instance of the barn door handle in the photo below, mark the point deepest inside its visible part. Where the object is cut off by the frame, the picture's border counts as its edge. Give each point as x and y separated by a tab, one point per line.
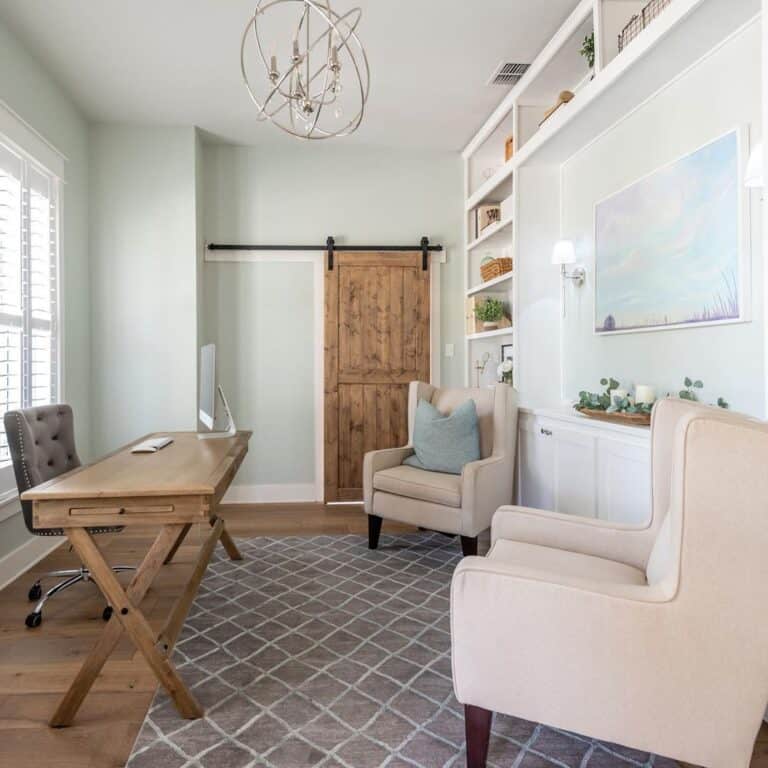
424	253
329	243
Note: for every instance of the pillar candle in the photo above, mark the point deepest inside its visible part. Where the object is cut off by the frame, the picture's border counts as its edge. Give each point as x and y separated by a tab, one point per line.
645	394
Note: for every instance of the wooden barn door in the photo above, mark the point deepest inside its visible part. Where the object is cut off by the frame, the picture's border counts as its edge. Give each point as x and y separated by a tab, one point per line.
376	342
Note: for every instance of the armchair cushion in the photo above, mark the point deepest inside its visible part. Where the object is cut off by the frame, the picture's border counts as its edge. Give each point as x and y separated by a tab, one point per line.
434	487
550	564
445	442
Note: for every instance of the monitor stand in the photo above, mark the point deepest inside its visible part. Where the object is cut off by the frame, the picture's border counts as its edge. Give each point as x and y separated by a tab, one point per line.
231	430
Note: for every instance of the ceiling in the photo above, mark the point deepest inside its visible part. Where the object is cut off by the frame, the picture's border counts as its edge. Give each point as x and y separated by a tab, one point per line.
176	62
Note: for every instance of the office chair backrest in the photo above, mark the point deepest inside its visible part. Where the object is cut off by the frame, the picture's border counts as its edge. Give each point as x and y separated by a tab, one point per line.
42	445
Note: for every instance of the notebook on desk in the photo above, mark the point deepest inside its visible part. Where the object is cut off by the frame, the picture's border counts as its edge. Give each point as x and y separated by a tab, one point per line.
152	445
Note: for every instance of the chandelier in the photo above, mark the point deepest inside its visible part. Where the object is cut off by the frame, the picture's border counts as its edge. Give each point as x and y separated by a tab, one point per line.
320	88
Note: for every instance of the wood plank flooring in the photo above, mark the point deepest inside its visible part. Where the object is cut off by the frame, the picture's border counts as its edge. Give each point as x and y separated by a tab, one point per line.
36	666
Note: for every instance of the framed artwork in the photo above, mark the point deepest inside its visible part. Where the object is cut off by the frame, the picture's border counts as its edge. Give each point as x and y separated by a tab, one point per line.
506	352
671	250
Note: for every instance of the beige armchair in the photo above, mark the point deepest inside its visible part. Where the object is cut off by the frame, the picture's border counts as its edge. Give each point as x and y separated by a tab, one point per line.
457	504
655	638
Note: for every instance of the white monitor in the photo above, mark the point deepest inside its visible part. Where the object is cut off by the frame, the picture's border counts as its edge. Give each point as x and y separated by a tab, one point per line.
208	385
208	392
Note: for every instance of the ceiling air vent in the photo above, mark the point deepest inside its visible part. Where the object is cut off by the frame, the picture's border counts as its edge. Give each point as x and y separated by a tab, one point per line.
507	73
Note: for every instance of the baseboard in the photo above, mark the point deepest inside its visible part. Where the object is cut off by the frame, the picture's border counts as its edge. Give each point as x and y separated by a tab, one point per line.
25	556
260	494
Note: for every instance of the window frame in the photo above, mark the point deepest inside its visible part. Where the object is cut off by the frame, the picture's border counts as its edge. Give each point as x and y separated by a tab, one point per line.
15	136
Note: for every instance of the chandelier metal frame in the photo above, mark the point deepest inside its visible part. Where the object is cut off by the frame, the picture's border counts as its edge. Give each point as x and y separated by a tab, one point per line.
291	103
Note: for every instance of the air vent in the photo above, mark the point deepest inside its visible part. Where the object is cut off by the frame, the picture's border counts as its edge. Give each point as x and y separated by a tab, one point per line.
507	73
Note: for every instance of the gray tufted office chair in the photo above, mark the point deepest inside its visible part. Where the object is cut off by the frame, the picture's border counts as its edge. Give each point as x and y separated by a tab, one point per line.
42	445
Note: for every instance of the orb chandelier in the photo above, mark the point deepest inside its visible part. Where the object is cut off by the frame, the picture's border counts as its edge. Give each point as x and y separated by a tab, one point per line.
319	89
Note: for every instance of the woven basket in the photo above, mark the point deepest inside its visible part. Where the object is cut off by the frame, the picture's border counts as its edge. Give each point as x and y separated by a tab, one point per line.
491	268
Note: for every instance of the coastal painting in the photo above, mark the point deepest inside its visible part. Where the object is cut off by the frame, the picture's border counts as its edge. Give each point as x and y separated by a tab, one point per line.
669	249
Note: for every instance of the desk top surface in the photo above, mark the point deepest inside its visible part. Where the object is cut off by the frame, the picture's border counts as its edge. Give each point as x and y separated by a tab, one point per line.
188	466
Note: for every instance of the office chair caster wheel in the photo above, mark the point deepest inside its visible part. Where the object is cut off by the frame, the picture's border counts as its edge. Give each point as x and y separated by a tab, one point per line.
35	593
34	620
107	613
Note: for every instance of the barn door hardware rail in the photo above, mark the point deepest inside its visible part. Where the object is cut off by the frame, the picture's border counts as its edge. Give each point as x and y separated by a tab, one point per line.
332	248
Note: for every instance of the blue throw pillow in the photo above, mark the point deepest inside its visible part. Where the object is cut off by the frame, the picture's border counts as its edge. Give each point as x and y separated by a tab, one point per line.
445	443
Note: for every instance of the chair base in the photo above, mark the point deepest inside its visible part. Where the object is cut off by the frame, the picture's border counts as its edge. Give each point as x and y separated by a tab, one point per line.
468	543
374	531
477	726
70	578
469	546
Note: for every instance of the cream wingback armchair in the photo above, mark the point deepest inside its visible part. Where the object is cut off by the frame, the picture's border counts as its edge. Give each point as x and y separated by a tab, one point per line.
656	637
457	504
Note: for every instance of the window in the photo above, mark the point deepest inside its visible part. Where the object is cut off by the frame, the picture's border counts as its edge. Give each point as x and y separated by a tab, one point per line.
28	287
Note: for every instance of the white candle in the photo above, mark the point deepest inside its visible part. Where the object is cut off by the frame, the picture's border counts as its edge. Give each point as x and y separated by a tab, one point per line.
645	394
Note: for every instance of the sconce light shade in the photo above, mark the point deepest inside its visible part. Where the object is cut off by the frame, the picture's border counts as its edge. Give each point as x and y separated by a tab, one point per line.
564	252
754	177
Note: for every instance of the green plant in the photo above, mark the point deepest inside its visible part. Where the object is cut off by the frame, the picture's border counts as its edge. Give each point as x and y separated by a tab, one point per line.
588	49
607	401
490	311
690	389
689	393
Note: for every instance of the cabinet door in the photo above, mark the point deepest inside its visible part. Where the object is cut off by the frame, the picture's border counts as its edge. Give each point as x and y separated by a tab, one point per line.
574	476
536	466
624	482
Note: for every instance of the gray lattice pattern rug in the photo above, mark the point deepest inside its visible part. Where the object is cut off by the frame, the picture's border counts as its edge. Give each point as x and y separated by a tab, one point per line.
319	652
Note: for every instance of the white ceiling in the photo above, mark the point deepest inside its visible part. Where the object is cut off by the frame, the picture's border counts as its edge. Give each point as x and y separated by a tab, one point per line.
176	62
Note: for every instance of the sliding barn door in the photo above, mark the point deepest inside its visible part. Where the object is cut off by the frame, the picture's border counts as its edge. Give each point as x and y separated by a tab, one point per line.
376	342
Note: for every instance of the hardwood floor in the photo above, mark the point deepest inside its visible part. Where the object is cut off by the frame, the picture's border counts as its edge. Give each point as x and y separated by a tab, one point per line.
36	666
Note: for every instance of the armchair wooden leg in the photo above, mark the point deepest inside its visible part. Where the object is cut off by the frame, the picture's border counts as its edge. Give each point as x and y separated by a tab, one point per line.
374	531
477	725
468	546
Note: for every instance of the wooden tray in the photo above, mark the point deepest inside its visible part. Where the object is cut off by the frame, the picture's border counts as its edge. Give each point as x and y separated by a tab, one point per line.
630	419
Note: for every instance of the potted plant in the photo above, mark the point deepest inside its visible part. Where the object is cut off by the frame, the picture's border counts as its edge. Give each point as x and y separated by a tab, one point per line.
588	50
489	313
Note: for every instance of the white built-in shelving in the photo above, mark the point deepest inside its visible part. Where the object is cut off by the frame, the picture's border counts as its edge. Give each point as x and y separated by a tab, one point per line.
684	33
491	285
491	235
497	332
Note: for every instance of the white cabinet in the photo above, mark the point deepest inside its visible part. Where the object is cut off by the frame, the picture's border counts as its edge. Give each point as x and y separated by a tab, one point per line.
578	467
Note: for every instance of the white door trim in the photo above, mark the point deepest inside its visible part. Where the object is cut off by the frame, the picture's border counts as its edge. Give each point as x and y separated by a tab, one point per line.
317	259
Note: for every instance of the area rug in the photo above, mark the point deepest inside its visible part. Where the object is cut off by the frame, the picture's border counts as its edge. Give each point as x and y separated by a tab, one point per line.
318	652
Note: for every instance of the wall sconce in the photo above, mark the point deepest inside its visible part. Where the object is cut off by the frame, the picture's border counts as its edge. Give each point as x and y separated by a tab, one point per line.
564	253
754	177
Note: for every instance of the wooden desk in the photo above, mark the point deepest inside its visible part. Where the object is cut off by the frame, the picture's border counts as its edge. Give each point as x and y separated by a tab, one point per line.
174	488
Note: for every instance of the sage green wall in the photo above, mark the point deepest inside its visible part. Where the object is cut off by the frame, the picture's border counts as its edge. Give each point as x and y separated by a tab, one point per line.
33	94
143	240
260	315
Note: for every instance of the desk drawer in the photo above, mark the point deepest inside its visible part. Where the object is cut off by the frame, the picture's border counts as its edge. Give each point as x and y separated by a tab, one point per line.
70	513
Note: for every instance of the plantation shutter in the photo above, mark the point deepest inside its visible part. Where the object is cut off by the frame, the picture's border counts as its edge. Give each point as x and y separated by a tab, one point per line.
28	287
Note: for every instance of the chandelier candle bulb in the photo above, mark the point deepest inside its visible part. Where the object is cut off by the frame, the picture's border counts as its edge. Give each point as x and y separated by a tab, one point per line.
645	395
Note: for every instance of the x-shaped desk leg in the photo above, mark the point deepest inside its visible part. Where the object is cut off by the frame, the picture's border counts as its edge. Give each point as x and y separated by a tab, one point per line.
126	617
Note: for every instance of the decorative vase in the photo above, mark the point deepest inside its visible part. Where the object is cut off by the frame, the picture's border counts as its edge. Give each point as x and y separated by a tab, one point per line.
490	326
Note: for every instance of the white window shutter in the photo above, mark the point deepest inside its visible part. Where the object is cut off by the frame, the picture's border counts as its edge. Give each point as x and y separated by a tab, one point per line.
28	286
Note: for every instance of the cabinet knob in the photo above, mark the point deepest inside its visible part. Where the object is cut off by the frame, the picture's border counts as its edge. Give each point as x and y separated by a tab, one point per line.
546	432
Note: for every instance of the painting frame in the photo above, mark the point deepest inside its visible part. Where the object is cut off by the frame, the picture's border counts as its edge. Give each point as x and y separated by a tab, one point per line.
744	257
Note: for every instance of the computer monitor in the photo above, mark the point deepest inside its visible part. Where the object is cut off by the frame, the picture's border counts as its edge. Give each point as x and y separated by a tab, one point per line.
208	385
208	392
